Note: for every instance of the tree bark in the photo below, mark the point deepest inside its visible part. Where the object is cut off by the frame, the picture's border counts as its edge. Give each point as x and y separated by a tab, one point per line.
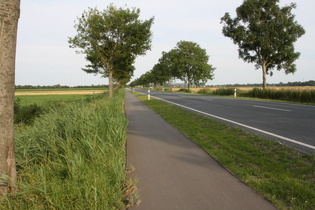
171	83
110	83
264	71
9	15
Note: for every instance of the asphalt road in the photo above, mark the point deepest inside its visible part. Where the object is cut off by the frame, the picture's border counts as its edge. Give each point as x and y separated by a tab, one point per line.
175	173
290	124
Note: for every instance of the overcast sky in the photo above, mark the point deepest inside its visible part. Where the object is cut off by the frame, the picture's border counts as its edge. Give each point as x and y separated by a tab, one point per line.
44	56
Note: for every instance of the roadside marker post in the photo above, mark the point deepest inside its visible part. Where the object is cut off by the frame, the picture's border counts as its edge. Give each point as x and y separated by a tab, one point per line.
149	95
235	92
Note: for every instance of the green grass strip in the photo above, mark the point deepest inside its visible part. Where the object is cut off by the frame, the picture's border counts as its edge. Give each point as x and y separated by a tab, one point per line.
278	173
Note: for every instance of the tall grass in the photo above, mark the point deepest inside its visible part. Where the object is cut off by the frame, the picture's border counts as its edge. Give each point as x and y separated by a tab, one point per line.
302	96
294	95
73	158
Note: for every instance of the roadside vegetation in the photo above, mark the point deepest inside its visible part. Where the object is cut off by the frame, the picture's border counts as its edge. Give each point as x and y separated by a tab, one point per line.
278	173
287	94
73	157
305	95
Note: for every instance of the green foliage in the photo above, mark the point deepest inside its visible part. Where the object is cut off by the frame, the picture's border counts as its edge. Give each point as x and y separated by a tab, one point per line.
111	40
187	61
219	91
191	63
73	158
224	91
204	91
184	90
26	114
265	35
302	96
278	173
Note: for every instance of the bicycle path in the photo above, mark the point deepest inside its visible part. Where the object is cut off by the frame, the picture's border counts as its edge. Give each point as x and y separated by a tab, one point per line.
175	173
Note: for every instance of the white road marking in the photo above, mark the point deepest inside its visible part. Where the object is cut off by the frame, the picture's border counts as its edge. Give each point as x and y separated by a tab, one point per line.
265	107
243	125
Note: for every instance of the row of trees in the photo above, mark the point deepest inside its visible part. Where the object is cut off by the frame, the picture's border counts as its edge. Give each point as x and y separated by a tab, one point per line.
187	62
281	84
265	34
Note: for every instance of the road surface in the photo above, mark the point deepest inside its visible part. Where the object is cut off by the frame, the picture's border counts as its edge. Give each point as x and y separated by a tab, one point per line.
291	124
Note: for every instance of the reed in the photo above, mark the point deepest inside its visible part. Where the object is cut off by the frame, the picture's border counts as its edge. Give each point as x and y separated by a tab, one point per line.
73	158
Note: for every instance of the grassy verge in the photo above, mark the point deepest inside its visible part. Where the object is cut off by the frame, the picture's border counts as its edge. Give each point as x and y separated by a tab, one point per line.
73	158
278	173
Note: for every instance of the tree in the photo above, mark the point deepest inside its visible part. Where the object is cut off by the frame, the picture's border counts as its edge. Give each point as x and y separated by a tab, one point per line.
123	70
160	76
190	62
265	34
165	69
9	15
108	36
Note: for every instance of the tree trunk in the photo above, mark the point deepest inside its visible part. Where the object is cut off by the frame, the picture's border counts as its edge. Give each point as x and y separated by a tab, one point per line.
264	71
171	83
110	82
9	15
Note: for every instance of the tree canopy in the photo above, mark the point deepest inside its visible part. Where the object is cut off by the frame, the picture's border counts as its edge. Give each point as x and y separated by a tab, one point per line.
187	61
111	40
191	63
265	35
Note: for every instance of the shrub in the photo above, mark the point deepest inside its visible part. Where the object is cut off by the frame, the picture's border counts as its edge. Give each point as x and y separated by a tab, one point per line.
223	91
204	91
184	90
26	114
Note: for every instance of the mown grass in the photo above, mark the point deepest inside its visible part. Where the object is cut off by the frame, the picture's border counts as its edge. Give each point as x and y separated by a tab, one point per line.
280	174
73	158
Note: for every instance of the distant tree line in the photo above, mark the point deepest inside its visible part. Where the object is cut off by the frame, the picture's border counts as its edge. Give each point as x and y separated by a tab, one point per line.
306	83
58	86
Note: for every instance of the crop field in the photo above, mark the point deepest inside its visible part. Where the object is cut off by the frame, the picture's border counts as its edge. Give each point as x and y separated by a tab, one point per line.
44	96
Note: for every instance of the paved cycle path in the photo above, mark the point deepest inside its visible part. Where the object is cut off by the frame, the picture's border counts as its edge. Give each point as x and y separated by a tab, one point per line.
175	173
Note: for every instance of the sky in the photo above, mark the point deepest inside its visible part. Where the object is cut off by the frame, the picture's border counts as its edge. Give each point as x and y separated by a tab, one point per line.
44	57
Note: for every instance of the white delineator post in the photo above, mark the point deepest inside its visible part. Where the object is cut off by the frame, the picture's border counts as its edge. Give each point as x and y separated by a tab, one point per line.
149	95
235	92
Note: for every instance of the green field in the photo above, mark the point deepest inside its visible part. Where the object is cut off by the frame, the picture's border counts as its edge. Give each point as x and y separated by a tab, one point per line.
58	89
46	96
46	99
